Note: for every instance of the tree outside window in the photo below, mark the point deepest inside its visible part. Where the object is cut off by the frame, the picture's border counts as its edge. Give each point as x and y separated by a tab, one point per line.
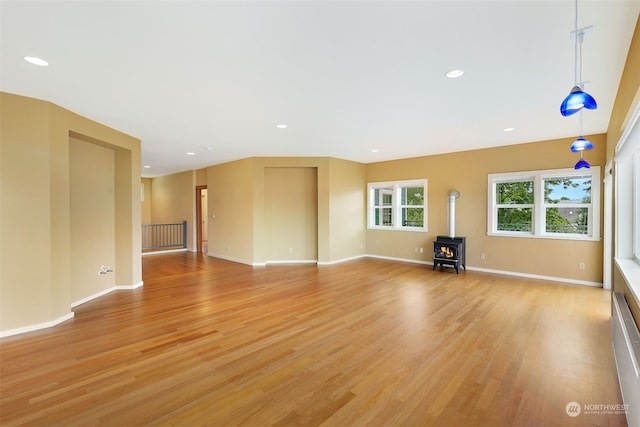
412	205
515	205
567	202
560	203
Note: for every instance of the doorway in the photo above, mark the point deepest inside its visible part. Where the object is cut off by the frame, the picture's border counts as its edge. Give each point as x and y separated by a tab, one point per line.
202	225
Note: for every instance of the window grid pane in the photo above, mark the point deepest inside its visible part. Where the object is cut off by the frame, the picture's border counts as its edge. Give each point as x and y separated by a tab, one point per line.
567	220
514	193
563	190
412	217
412	196
567	201
515	219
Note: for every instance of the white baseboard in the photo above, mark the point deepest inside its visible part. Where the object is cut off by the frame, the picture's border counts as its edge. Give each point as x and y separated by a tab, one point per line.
338	261
92	297
36	327
413	261
31	328
282	262
130	287
502	272
423	262
293	261
538	276
168	251
232	259
106	291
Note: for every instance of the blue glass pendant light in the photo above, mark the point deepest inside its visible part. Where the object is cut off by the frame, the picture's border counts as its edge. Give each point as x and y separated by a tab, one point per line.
577	98
576	101
582	163
581	144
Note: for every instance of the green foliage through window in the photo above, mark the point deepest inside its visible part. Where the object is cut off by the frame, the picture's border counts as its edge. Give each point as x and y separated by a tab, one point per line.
558	202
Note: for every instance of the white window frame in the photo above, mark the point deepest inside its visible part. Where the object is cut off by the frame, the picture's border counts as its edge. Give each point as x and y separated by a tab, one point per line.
396	206
627	203
501	178
538	227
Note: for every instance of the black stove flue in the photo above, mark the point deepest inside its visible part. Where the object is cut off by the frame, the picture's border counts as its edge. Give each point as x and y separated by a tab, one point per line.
449	251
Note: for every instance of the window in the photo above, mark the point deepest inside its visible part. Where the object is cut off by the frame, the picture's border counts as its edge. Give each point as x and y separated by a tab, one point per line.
567	202
383	206
560	203
514	205
627	204
400	205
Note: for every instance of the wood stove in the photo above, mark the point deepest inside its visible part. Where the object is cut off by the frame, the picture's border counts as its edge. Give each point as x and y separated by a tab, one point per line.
449	251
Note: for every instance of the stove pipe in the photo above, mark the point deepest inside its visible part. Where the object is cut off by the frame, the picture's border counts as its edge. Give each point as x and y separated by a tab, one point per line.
453	195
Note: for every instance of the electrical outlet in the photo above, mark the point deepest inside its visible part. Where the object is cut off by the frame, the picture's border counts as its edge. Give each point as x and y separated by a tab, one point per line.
581	266
482	255
421	250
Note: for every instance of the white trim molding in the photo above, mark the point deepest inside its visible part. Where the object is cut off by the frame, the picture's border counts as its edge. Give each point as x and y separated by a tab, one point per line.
36	327
45	325
502	272
339	261
168	251
106	291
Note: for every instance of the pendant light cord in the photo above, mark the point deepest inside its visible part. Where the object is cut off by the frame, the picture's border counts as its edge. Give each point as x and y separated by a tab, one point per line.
575	49
580	75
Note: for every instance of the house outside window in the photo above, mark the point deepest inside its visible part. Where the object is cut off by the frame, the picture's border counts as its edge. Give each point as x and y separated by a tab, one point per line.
562	203
398	205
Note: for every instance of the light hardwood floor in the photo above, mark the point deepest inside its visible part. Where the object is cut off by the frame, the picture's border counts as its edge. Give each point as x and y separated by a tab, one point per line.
363	343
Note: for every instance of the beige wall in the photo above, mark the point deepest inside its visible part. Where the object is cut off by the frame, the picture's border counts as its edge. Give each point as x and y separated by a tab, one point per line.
173	201
145	204
230	197
238	198
26	292
92	200
291	214
467	173
628	94
346	224
627	98
35	210
201	177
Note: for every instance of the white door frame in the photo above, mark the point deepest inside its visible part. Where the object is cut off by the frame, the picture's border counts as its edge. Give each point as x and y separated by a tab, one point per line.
607	255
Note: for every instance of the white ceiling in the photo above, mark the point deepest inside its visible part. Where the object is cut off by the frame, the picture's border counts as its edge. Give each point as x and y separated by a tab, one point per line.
347	77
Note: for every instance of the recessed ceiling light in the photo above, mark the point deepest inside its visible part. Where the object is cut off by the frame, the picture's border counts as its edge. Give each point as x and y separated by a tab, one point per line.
508	129
36	61
146	166
375	150
209	148
190	153
454	74
281	126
